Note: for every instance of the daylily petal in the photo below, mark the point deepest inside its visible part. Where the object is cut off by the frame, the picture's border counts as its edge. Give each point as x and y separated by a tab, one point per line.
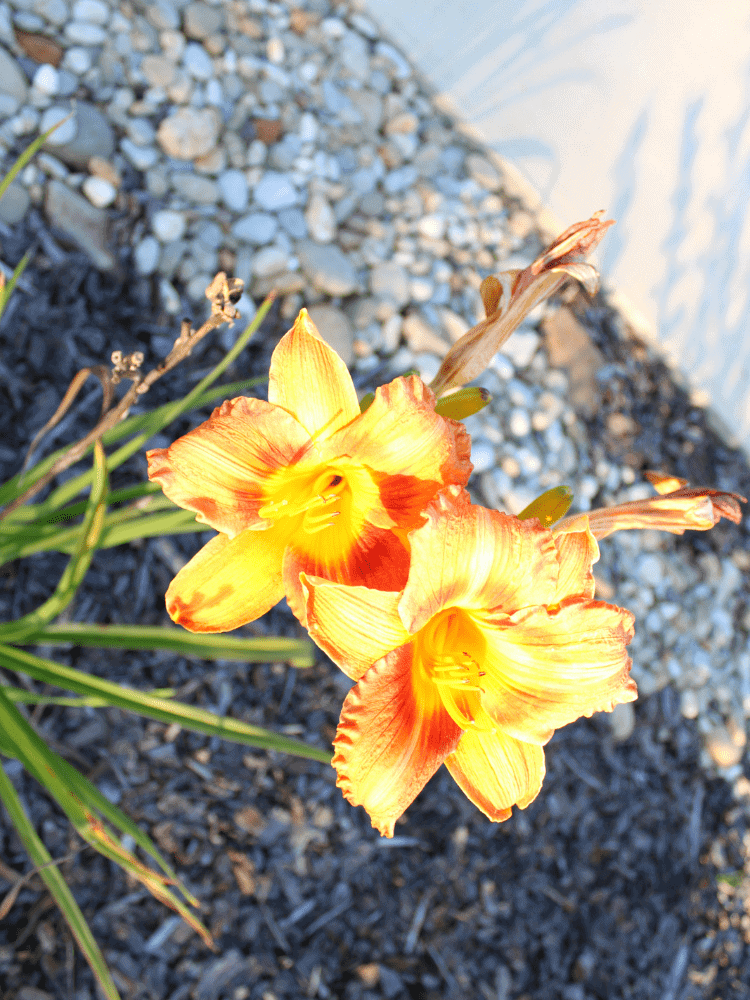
577	551
415	449
470	557
355	626
391	739
220	468
496	772
545	669
694	508
310	380
229	582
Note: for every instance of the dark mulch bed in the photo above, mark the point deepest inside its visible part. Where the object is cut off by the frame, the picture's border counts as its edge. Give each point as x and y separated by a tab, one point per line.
605	887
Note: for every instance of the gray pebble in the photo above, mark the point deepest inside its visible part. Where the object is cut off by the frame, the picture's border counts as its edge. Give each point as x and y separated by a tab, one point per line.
292	220
275	191
199	190
12	79
327	268
258	228
233	187
168	225
14	204
146	255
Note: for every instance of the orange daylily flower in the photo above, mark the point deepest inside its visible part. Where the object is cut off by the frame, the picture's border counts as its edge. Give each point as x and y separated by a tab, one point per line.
305	482
677	508
493	644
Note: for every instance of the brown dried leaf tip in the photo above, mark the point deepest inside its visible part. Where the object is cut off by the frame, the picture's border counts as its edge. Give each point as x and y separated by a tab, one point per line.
511	295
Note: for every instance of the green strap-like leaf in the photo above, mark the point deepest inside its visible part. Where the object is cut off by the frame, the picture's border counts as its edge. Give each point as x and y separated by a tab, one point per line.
271	649
80	560
152	707
53	879
76	798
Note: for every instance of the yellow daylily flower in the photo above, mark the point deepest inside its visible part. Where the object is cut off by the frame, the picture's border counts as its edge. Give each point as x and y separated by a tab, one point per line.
493	644
305	482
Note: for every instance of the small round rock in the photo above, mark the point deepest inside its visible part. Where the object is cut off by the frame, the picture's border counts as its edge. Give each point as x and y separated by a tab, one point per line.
100	192
146	255
168	225
46	80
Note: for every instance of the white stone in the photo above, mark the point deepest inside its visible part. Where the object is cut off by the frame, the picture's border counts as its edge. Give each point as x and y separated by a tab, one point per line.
146	255
85	33
622	721
275	51
269	261
46	80
189	132
320	218
198	62
256	153
54	11
401	67
482	456
99	191
521	347
214	93
421	289
8	106
233	187
689	704
168	225
275	191
650	569
519	424
196	287
432	226
308	127
308	72
258	228
65	133
77	60
142	157
141	131
333	27
93	11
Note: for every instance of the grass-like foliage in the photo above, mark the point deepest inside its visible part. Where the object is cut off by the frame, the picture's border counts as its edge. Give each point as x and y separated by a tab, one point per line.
78	517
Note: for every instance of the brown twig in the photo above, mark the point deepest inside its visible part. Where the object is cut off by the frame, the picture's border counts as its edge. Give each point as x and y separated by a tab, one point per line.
223	293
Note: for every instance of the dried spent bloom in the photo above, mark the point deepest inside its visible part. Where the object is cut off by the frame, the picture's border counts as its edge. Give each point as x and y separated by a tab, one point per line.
510	296
305	482
493	644
677	508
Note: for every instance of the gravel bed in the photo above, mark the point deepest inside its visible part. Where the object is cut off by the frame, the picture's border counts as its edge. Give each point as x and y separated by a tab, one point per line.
328	172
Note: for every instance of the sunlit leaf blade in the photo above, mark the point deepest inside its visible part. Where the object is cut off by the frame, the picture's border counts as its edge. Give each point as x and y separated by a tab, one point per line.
93	798
80	560
27	154
7	289
271	649
57	886
366	402
152	707
549	507
53	774
463	403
